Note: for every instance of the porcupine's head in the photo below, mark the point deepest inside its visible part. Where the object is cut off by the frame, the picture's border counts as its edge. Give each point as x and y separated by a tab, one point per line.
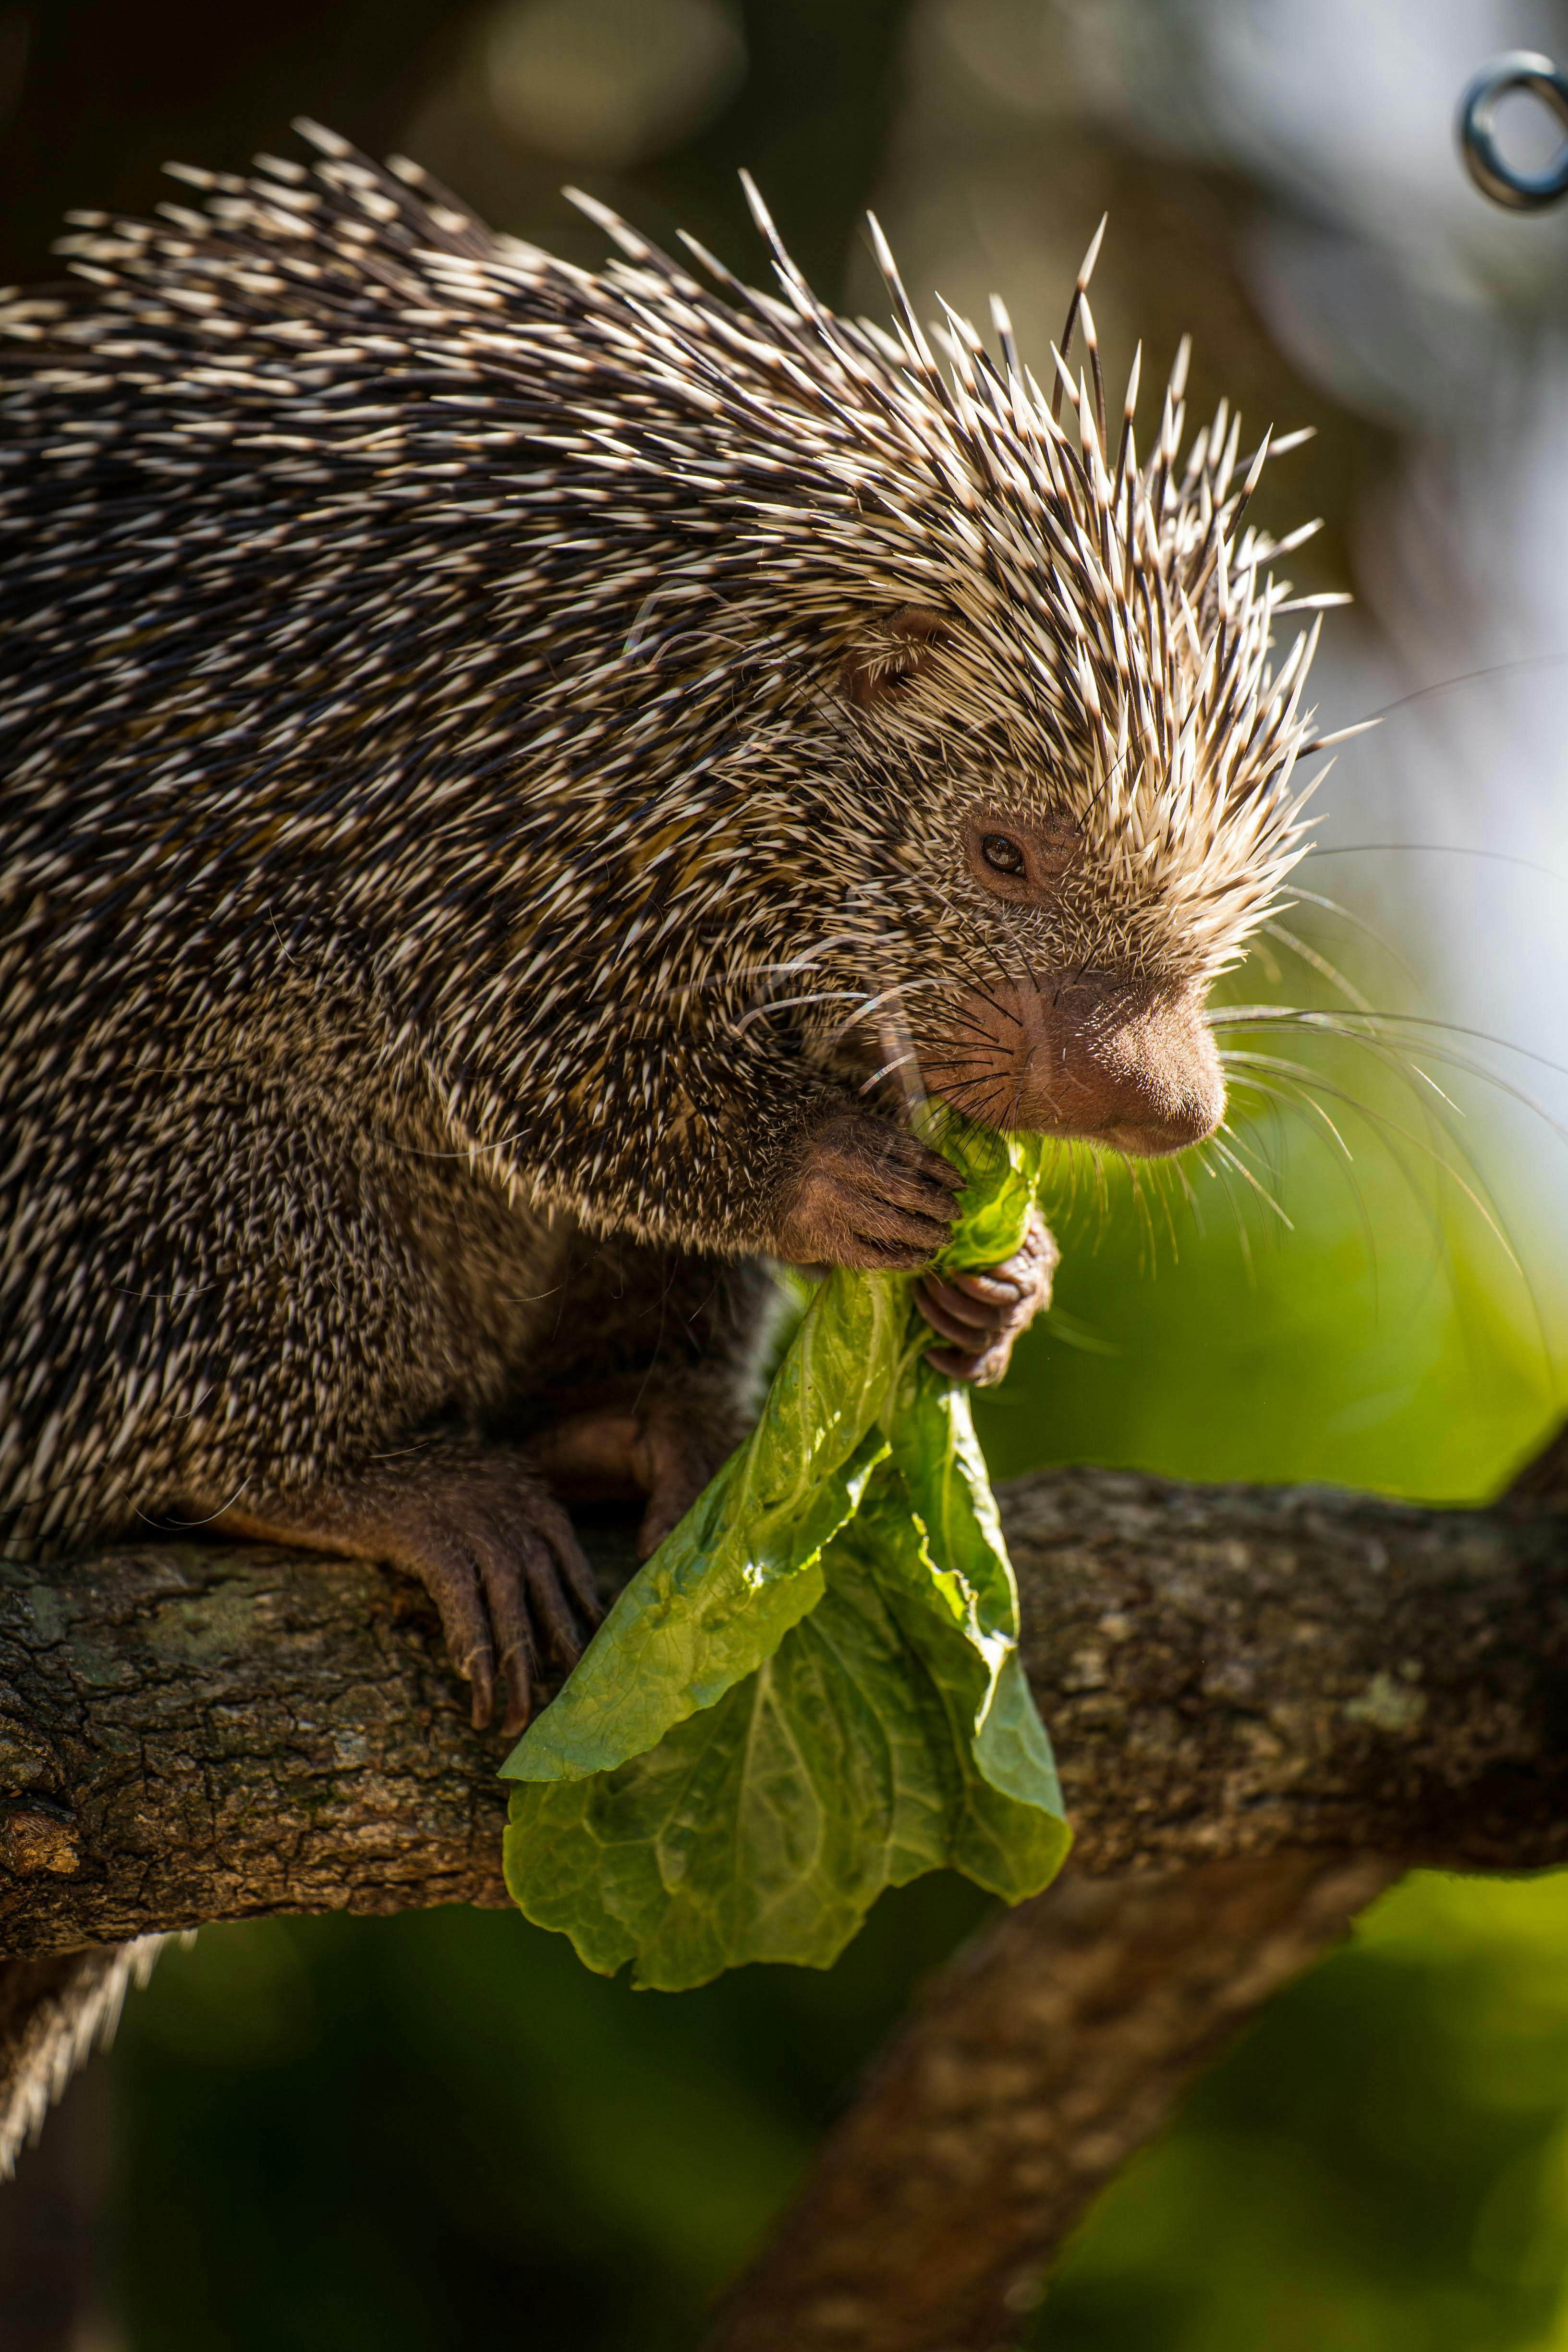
1054	757
608	652
1017	750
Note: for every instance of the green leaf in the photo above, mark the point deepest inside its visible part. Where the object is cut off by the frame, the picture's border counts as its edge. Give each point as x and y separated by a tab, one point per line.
764	1827
812	1692
743	1567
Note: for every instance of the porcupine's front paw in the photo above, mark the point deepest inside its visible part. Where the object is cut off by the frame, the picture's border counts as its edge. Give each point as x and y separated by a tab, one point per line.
981	1315
491	1546
866	1195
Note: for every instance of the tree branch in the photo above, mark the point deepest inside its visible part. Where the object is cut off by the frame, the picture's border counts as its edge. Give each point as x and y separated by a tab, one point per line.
191	1733
1236	1669
1040	2061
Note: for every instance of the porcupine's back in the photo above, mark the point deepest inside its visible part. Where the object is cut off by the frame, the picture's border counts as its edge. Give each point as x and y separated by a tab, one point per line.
338	536
323	511
281	545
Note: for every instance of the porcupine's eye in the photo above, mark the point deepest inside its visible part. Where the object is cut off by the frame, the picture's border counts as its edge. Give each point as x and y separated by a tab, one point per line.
1002	854
1022	858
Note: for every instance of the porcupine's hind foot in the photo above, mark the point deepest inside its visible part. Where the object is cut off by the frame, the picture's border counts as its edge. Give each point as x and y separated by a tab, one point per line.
490	1543
981	1315
664	1447
670	1442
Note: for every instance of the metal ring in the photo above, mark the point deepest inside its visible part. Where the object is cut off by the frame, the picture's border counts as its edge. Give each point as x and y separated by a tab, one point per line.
1522	191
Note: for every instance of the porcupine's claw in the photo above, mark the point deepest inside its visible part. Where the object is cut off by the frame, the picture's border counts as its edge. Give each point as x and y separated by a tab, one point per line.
981	1315
471	1523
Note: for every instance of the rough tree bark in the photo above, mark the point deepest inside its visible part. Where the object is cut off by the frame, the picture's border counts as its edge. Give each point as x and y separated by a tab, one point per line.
191	1733
1266	1702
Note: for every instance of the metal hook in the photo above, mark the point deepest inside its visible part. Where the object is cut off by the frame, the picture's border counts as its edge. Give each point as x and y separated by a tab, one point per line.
1522	191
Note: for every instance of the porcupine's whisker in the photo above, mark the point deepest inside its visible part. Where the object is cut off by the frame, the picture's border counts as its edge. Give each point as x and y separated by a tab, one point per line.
1008	980
1433	848
1358	922
1255	1105
1408	1071
988	947
1300	1073
893	1038
469	1151
958	1061
955	1068
1295	1089
898	1051
828	996
1387	1126
967	1024
1446	685
893	1030
989	1078
1334	1025
1300	1094
1316	963
1467	1064
1170	1175
1234	1159
911	1058
1140	1188
1235	1141
1308	1082
899	1062
960	1053
788	1004
973	1024
1017	1098
983	1098
1219	1173
732	973
1297	1098
1314	1015
873	1004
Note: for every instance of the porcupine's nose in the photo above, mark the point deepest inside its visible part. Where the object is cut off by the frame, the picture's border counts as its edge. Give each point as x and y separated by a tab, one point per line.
1128	1064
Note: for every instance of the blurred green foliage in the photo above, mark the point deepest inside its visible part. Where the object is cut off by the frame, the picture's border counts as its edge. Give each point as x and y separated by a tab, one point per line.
440	2130
1381	2167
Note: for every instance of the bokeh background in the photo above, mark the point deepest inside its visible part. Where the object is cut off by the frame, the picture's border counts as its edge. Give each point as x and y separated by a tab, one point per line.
439	2131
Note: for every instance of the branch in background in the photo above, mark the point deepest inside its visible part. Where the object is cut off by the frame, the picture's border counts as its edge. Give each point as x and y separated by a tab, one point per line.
191	1733
1040	2061
1059	2044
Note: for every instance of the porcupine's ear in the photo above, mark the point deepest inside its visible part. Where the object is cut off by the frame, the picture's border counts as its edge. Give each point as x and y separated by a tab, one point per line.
893	650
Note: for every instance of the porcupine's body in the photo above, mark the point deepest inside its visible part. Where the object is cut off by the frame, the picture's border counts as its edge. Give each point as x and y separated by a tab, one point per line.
491	757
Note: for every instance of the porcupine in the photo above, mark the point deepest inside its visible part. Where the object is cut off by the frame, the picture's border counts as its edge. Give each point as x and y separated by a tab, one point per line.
506	770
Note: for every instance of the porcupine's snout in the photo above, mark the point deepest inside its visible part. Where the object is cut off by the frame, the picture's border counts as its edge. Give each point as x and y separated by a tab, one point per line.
1128	1064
